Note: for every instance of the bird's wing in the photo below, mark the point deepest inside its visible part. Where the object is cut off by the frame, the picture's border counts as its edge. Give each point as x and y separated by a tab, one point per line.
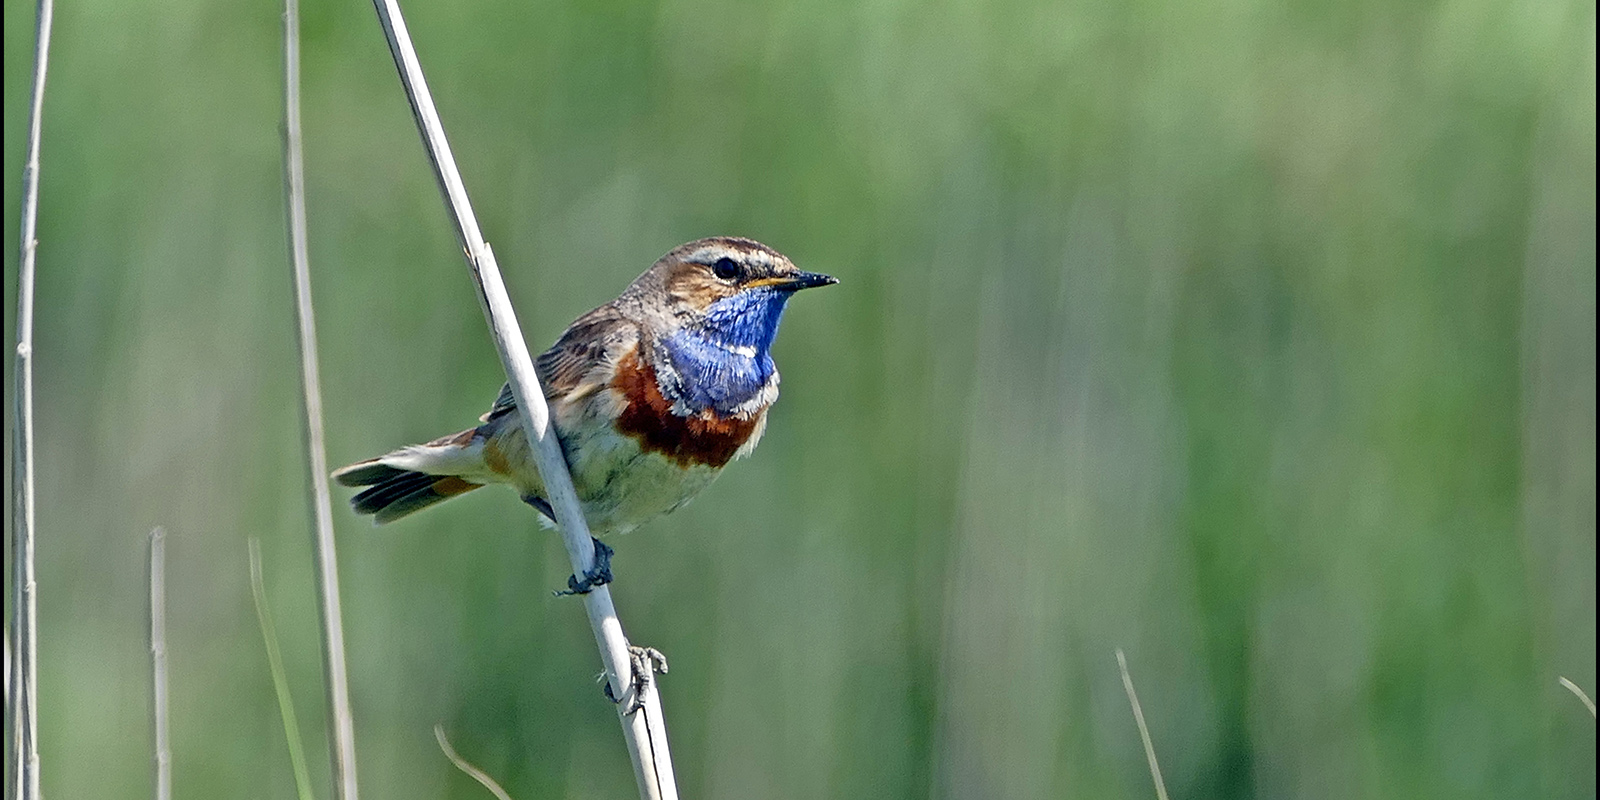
580	362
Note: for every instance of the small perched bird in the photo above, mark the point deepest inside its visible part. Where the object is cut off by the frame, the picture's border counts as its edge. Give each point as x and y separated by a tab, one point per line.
651	395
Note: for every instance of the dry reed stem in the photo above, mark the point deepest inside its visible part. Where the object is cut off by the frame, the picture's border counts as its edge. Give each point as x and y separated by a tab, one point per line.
1144	732
25	602
644	729
1581	695
342	741
15	734
465	766
158	662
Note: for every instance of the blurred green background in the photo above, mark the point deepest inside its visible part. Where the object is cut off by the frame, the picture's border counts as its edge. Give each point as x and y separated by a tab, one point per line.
1256	339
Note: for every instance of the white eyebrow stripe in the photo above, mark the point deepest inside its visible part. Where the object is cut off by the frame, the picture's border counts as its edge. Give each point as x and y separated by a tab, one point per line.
707	255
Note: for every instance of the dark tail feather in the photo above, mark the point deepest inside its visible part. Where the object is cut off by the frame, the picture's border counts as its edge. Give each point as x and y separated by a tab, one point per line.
396	492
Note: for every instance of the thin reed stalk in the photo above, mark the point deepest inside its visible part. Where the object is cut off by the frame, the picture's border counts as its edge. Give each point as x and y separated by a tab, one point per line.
158	662
1144	732
25	601
342	741
465	766
1583	697
645	728
14	737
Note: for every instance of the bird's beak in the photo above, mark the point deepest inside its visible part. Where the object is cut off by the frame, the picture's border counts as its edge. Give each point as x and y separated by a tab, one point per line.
794	282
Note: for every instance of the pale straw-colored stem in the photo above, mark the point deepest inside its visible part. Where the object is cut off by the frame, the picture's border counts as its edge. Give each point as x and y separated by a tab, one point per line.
1144	732
645	729
342	738
465	766
158	662
25	602
14	736
1582	696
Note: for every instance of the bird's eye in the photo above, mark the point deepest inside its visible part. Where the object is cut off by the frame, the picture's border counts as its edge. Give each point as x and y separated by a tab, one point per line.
725	269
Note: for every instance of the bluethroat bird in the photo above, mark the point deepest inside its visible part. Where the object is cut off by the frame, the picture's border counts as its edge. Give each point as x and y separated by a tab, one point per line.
651	395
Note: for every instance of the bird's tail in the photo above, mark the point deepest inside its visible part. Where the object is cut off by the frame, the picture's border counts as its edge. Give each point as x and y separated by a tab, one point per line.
407	480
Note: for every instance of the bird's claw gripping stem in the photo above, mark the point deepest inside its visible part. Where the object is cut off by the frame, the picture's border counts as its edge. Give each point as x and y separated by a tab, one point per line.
598	575
644	663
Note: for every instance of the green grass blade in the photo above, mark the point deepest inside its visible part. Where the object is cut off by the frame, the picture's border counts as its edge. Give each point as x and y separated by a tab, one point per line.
280	681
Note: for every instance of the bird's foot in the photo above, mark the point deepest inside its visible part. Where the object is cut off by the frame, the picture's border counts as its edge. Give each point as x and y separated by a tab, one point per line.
598	575
540	505
644	663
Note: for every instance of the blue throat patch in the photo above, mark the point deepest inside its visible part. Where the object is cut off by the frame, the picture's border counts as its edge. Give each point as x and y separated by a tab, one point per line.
726	359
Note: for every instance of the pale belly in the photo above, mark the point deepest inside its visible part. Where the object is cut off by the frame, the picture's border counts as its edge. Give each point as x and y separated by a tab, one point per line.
622	487
619	486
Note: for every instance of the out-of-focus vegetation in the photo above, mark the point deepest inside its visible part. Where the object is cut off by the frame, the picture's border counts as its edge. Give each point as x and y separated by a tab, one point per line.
1257	339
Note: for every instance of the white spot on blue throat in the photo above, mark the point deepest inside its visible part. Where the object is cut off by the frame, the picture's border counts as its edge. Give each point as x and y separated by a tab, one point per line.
726	359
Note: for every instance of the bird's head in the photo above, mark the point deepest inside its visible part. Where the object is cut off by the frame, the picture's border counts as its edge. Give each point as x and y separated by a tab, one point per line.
713	307
728	291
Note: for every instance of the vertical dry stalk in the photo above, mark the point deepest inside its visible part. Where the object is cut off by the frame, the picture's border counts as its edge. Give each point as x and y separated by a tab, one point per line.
1144	732
342	742
25	603
15	734
158	661
645	729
